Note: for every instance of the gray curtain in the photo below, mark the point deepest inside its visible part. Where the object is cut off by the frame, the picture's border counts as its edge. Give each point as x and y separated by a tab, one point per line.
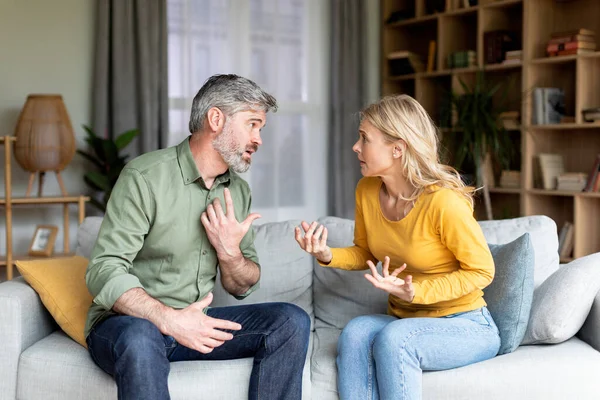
347	98
130	76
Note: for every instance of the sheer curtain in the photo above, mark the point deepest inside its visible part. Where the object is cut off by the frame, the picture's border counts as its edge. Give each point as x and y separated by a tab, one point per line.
282	46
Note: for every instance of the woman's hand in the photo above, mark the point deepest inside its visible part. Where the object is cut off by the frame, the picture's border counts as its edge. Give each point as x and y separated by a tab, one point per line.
314	241
403	289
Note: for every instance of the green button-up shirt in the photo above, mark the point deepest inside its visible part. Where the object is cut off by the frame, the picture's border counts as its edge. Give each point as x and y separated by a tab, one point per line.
152	237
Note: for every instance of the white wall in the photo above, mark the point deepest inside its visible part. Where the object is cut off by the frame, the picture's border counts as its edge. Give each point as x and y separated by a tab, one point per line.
45	47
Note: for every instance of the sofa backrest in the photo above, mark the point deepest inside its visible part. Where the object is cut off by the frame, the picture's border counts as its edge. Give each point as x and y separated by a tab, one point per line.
342	295
286	270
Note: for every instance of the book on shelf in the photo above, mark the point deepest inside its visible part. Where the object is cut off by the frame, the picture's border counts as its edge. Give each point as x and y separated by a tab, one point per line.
551	166
572	181
570	52
510	179
497	43
404	62
570	46
565	240
572	38
431	56
548	106
510	120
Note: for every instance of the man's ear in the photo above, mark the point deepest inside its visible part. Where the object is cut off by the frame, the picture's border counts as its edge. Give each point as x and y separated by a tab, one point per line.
215	119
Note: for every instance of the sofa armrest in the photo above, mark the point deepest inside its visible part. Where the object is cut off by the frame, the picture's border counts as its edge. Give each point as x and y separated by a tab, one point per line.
23	321
590	332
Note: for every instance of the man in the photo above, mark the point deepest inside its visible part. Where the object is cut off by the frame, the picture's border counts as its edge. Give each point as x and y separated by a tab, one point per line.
155	261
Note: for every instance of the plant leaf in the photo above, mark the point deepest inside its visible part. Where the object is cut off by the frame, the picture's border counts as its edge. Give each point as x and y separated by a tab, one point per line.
125	138
98	180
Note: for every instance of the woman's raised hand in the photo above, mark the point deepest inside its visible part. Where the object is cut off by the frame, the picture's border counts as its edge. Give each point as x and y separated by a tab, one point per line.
401	288
314	241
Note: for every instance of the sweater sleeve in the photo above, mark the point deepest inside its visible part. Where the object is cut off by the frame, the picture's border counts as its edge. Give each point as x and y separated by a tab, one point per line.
461	234
354	257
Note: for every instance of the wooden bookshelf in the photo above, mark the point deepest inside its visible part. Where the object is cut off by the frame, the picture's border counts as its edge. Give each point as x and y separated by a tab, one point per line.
9	202
459	28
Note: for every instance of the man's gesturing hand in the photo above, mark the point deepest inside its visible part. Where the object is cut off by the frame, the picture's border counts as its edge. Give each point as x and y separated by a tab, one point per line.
224	232
314	241
192	328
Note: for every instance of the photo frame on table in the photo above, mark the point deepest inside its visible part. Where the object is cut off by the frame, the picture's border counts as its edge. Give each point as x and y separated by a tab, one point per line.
42	242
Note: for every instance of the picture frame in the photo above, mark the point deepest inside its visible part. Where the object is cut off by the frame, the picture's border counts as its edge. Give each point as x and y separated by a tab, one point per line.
42	242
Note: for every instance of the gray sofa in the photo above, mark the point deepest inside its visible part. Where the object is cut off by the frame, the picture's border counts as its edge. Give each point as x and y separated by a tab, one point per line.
38	361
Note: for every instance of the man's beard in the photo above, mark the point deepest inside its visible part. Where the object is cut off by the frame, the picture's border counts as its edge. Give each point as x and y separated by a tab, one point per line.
230	151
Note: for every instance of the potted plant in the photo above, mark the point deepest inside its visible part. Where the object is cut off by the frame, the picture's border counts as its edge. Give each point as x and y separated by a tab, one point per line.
109	162
478	133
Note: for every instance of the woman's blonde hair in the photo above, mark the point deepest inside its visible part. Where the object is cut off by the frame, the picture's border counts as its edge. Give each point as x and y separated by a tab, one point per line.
402	117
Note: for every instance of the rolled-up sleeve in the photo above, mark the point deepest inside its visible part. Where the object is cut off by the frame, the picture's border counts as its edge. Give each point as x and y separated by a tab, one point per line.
121	236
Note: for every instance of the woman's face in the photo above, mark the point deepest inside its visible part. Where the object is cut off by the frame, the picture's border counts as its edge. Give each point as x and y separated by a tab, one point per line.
376	155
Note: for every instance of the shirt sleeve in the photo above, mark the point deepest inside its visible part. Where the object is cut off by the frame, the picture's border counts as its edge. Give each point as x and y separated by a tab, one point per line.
354	257
121	236
462	235
249	251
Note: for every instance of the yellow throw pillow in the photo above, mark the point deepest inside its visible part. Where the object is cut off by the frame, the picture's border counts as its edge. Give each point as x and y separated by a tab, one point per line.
60	282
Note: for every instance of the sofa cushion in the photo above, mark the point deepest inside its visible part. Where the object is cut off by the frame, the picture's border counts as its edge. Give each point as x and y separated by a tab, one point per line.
60	283
562	303
543	236
286	270
509	295
342	295
58	368
86	236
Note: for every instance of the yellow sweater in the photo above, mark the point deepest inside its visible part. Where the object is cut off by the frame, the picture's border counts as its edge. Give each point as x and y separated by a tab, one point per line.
440	242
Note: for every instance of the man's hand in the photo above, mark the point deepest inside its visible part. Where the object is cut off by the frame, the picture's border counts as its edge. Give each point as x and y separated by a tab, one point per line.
403	289
224	232
192	328
314	241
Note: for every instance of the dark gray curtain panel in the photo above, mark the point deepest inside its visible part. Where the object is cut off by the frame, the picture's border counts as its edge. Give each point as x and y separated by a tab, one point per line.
130	76
347	93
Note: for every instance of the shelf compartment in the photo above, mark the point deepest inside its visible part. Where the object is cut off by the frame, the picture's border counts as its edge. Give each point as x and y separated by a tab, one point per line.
456	34
561	76
405	86
559	208
547	17
404	7
587	229
588	85
579	149
433	94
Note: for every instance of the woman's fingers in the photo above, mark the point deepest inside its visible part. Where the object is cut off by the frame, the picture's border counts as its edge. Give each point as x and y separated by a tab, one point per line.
399	269
374	271
386	266
324	238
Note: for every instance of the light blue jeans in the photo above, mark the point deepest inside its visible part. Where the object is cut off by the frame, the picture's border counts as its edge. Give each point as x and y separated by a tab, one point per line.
382	357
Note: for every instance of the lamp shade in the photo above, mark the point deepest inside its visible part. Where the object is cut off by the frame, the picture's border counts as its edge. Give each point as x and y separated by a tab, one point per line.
45	138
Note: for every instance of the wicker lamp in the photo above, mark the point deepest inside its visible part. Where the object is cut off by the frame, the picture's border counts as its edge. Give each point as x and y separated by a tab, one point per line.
45	138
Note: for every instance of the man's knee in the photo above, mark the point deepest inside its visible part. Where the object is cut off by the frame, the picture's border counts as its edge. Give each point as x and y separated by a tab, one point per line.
140	337
294	321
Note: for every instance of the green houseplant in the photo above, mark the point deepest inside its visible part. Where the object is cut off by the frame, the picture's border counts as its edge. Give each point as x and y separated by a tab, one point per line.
106	157
478	132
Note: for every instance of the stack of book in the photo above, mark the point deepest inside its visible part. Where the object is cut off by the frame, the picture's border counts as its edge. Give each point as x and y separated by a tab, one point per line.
578	41
404	62
510	179
572	181
565	240
513	57
497	43
462	59
510	120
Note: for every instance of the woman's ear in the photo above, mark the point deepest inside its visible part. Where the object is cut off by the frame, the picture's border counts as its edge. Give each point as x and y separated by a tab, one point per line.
215	118
399	148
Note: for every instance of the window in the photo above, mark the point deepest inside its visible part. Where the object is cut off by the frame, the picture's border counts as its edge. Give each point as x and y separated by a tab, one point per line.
282	46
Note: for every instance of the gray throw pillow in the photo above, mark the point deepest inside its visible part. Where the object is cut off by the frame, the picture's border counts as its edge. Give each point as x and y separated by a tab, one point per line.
510	294
562	303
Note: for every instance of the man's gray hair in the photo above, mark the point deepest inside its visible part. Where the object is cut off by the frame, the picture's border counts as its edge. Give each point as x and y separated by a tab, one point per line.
231	94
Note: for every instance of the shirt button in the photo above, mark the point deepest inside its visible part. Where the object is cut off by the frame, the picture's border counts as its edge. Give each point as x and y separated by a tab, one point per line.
204	252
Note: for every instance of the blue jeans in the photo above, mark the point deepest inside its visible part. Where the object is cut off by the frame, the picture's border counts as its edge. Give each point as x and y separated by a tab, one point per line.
138	355
382	357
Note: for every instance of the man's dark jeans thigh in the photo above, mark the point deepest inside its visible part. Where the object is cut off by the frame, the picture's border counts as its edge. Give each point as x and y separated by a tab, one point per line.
138	356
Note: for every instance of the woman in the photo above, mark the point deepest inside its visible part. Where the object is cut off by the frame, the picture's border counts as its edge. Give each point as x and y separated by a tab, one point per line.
416	216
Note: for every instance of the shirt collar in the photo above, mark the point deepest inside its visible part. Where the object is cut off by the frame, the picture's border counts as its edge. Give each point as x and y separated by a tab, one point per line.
189	169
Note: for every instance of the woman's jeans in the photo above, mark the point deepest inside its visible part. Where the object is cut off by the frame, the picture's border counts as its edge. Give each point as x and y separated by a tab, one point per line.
138	356
382	357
